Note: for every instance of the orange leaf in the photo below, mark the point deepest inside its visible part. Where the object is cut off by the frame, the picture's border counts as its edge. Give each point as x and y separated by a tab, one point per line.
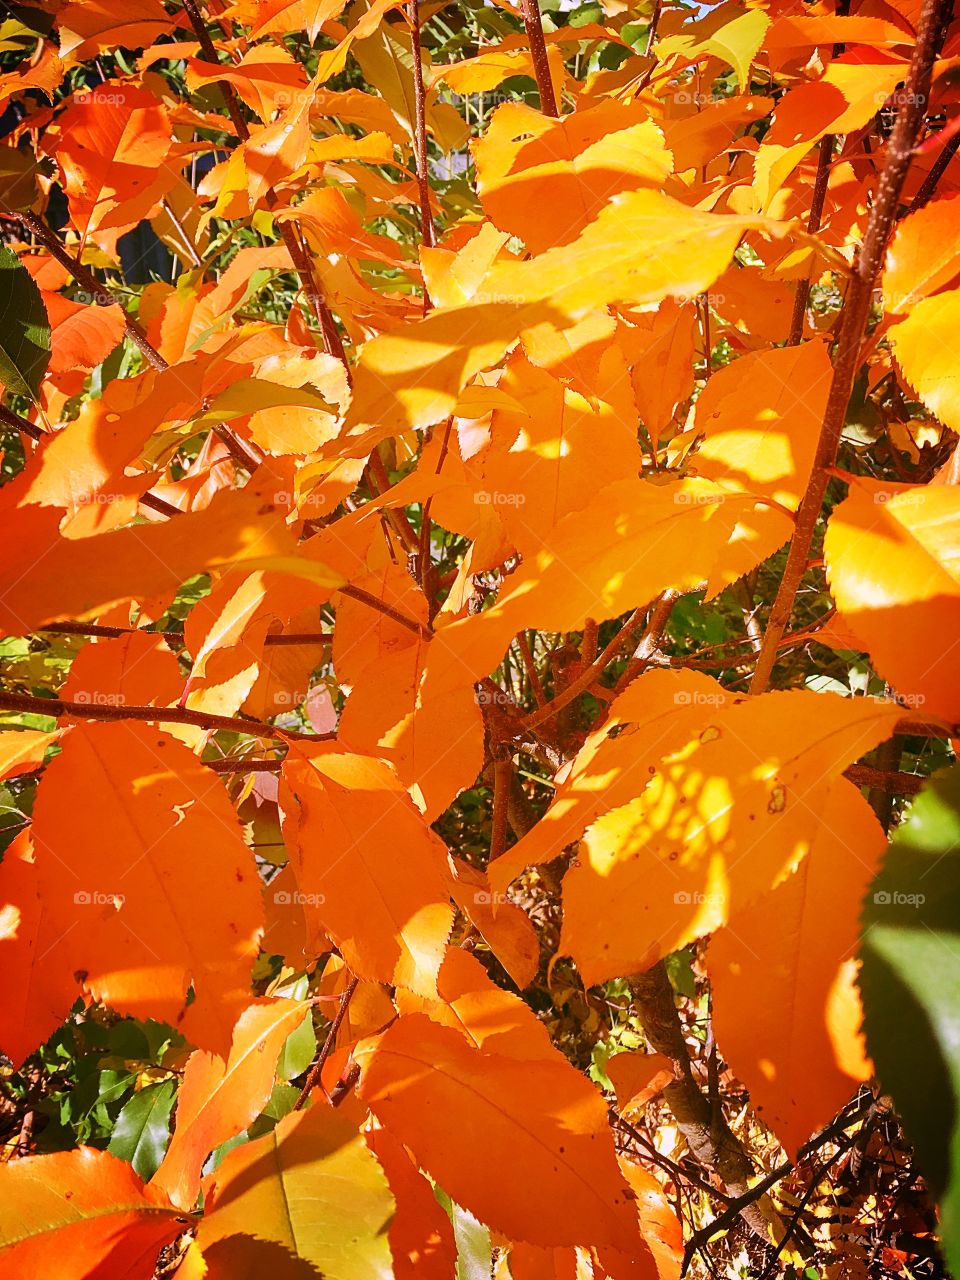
892	566
218	1099
719	821
369	868
786	1007
86	1206
118	821
545	1173
545	180
421	1237
637	1077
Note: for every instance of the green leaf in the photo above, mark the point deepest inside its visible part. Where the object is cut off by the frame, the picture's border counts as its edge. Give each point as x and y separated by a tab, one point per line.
24	328
473	1239
910	981
142	1130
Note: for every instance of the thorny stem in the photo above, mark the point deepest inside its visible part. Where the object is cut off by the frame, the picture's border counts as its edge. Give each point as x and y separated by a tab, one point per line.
853	327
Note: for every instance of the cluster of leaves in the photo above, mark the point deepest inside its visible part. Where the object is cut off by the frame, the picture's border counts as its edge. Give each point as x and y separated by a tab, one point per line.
479	576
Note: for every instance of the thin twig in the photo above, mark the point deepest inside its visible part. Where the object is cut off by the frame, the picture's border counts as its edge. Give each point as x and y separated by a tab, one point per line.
364	597
587	677
27	704
853	326
99	294
328	1044
427	232
290	233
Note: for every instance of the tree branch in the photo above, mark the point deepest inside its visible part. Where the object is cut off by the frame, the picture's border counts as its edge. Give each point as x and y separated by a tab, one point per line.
27	704
538	52
853	326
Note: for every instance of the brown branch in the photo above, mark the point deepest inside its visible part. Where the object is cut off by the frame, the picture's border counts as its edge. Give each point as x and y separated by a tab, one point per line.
502	787
27	704
708	1135
379	482
244	766
853	326
427	231
587	677
364	597
99	294
937	170
891	782
650	640
817	200
729	1216
291	234
317	1068
538	52
533	677
113	633
30	429
23	425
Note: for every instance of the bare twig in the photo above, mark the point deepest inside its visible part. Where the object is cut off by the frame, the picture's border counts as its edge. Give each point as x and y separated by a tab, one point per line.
27	704
317	1068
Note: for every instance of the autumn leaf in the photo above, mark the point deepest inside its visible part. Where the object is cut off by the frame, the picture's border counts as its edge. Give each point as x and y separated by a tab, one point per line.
312	1189
890	552
550	1177
799	1049
86	1205
133	906
348	814
218	1099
